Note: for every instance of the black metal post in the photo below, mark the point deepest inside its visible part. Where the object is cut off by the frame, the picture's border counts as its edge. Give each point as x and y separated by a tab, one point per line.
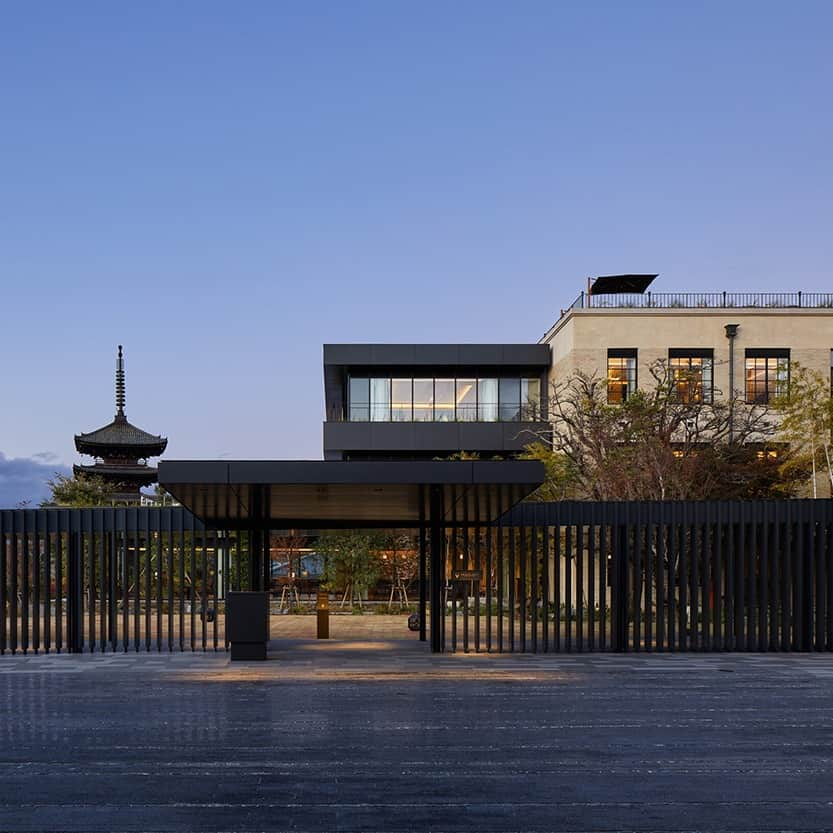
75	620
620	589
437	568
731	334
257	540
423	575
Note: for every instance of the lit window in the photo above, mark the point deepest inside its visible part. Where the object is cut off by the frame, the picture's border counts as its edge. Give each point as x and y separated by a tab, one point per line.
768	454
444	400
466	400
692	374
423	400
401	400
621	374
767	375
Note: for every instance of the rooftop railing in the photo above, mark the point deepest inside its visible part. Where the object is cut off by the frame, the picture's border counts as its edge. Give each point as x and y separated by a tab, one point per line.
705	300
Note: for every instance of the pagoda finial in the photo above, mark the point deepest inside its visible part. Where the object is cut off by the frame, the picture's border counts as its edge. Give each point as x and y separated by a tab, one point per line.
120	384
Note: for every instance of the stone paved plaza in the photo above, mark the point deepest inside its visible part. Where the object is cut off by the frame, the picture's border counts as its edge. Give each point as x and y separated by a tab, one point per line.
381	736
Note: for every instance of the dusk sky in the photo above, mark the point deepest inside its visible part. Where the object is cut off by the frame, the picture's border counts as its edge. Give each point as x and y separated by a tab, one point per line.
223	187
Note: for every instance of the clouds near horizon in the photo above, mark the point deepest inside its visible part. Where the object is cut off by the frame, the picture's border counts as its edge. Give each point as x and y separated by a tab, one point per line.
24	479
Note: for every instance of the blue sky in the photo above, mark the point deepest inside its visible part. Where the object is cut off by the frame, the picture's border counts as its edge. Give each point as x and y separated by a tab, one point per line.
222	187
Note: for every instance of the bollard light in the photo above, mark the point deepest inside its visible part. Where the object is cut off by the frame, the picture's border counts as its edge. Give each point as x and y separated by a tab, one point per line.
322	607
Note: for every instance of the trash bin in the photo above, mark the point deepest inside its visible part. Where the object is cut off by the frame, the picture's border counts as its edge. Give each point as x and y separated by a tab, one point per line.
247	624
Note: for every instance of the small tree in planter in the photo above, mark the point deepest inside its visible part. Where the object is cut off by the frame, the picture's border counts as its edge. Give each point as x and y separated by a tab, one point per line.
399	562
351	565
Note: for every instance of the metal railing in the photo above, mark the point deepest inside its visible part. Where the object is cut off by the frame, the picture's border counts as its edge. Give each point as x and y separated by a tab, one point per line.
705	300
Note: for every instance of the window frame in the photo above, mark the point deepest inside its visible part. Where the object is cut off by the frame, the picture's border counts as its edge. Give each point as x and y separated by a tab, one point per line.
776	356
623	353
689	353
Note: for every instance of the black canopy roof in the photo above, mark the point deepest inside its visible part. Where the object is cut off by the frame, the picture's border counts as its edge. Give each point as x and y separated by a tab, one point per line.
321	494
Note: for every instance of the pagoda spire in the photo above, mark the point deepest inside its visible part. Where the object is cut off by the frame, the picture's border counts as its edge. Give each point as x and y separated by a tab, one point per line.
120	389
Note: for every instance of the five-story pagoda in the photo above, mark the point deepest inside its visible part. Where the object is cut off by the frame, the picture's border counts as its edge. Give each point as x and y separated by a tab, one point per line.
121	450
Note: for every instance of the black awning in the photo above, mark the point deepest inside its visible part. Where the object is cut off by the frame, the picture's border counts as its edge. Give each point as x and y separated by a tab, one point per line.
620	284
322	494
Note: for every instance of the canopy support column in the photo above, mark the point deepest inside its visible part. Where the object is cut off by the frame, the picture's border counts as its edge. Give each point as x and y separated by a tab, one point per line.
423	576
258	541
437	568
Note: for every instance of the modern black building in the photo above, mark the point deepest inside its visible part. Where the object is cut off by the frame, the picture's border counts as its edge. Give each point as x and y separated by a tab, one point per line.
429	401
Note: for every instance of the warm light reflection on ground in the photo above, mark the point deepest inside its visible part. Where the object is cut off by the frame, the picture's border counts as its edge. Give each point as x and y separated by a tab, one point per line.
267	674
309	660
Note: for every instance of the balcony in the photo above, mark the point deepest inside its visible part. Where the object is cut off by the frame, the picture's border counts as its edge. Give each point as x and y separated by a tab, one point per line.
704	300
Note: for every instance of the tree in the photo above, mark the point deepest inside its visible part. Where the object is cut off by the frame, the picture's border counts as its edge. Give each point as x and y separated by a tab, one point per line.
661	443
806	413
79	491
399	563
350	562
558	480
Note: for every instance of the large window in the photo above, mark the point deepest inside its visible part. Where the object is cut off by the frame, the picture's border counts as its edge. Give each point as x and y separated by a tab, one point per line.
510	399
359	393
530	399
380	400
444	400
423	400
467	400
401	406
406	399
487	400
692	374
767	374
621	374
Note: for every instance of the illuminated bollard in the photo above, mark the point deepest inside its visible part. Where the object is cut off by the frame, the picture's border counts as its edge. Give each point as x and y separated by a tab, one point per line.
322	609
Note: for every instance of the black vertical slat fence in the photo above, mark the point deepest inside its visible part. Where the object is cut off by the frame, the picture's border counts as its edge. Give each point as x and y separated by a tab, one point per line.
550	577
656	577
111	579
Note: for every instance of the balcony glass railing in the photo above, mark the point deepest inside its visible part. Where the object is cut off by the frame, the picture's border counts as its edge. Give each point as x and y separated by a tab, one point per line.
481	412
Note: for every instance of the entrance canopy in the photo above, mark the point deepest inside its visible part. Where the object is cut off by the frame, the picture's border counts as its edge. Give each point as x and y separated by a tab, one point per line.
322	494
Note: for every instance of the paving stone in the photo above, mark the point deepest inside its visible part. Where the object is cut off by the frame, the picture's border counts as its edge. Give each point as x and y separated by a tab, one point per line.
364	736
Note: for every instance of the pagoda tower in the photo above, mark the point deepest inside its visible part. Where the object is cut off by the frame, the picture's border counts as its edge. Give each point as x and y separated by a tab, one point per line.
121	450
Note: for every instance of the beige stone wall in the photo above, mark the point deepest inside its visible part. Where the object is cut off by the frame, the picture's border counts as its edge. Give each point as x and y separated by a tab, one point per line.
581	339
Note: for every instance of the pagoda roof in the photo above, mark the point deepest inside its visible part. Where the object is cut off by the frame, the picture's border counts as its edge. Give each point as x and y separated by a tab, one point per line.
121	434
140	475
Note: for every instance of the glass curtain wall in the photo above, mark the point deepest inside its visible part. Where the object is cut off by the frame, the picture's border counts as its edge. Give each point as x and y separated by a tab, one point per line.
488	399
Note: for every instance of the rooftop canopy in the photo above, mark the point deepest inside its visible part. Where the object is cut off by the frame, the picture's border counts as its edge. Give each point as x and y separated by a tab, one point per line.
619	284
322	494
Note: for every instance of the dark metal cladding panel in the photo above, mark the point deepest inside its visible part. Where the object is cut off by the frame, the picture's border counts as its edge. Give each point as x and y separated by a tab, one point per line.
537	355
347	436
436	355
